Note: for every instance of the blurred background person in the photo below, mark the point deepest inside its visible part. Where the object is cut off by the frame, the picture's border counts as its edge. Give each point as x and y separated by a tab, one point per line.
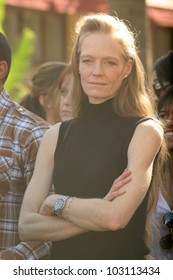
161	219
65	87
162	74
42	99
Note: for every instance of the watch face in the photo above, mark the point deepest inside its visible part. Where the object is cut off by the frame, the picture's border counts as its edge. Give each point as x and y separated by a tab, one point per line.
58	204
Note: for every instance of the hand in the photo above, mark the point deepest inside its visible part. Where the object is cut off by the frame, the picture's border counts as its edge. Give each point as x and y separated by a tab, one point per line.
47	205
116	190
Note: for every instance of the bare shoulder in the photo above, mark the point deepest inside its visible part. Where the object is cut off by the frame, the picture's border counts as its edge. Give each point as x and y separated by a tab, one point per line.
150	129
50	138
146	142
52	132
148	135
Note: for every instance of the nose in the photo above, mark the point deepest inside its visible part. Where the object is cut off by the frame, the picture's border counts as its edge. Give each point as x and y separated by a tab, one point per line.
97	68
169	121
67	99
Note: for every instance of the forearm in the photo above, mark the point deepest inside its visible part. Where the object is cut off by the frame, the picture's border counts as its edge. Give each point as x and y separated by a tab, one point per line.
91	214
47	228
102	215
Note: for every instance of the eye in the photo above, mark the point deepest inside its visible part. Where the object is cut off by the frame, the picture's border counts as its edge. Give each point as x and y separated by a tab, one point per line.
163	116
87	60
110	62
63	92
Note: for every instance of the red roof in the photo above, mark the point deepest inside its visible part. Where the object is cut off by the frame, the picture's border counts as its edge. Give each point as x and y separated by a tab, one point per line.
62	6
160	12
161	17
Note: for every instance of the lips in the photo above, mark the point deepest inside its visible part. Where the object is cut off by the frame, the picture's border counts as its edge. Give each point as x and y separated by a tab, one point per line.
97	83
66	115
66	112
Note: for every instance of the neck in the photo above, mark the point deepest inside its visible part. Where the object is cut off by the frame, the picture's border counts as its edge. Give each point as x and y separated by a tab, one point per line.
50	119
96	100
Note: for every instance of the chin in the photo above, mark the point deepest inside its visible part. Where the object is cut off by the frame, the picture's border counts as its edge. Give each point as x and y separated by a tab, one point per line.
66	117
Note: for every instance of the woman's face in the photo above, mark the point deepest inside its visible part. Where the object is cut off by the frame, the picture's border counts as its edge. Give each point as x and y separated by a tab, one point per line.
102	67
166	115
65	95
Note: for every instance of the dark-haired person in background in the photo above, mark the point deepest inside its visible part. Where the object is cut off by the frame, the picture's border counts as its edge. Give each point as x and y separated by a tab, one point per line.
20	135
163	74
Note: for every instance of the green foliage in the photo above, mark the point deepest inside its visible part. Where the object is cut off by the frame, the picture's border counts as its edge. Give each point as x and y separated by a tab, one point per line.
21	58
2	15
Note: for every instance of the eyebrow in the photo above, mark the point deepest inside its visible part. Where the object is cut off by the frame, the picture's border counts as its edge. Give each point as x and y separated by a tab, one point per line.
114	59
106	57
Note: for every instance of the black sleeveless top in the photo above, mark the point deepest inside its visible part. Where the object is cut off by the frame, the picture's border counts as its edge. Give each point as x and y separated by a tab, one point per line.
91	152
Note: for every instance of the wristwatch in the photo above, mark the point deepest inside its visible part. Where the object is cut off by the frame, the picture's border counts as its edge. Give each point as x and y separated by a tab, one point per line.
59	204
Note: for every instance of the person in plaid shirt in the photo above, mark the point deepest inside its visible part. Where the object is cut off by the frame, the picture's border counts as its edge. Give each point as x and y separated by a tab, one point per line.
20	136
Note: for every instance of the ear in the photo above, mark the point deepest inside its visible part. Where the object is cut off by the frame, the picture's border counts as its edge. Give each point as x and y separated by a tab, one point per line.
3	69
45	102
128	68
42	100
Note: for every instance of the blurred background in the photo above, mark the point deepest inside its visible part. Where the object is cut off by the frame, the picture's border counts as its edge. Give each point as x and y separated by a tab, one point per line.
42	30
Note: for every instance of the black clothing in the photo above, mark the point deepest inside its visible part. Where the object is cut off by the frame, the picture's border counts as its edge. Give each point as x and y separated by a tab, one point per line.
92	152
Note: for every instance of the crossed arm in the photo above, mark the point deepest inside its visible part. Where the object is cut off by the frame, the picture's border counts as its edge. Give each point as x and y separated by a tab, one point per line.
110	213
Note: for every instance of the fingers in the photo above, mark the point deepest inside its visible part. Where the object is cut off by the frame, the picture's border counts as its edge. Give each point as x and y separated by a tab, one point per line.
117	185
111	195
126	173
116	190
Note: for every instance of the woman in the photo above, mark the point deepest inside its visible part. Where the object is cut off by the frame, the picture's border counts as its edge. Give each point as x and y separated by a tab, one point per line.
42	100
87	218
161	245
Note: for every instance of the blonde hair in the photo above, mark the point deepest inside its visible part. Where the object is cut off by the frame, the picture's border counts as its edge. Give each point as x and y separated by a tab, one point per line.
132	98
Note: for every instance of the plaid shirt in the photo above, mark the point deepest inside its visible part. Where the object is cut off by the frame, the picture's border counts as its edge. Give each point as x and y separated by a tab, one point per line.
20	135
